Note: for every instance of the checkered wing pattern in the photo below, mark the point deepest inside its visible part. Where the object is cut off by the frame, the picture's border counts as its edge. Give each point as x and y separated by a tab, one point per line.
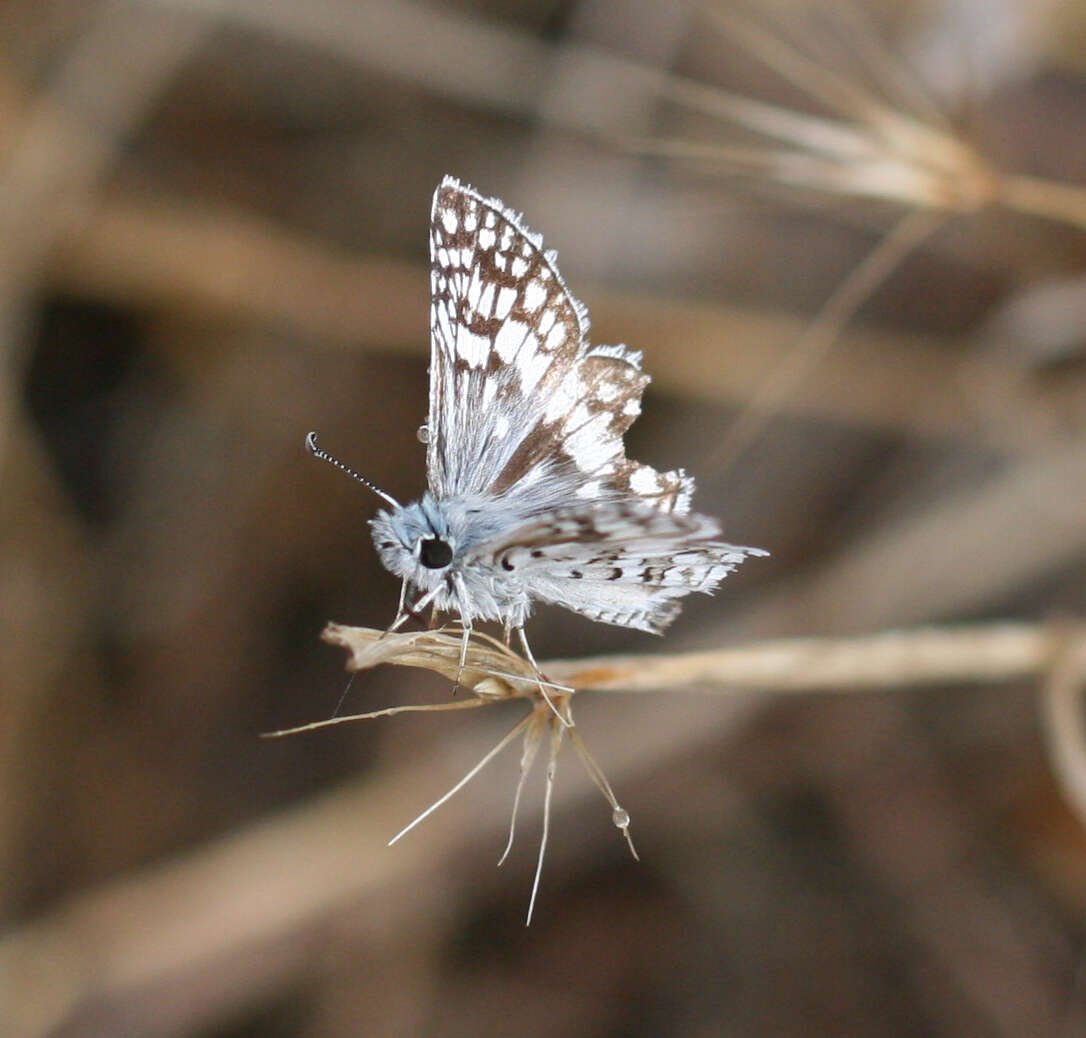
527	420
517	394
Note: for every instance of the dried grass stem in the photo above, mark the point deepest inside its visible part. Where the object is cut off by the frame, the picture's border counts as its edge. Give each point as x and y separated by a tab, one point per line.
890	659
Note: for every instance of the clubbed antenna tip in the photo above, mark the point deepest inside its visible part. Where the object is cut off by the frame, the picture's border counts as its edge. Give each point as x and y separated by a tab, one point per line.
320	452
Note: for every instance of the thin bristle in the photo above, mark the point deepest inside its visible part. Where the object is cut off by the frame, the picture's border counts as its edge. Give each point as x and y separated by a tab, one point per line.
487	758
533	736
557	731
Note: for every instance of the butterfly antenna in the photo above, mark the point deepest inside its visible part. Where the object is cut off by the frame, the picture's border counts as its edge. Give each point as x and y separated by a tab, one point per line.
320	452
464	642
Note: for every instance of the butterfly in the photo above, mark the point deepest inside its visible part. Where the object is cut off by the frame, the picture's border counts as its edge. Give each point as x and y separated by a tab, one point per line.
531	497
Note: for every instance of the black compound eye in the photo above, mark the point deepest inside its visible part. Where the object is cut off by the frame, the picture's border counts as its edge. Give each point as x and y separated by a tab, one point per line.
434	553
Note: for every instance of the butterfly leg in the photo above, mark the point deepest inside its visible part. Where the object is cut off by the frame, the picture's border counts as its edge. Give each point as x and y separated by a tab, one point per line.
465	623
404	613
539	676
401	614
464	642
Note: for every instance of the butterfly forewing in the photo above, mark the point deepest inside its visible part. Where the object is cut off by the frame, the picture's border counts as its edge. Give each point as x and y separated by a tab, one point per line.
517	395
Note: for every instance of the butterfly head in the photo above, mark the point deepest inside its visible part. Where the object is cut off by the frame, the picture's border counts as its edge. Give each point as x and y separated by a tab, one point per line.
415	543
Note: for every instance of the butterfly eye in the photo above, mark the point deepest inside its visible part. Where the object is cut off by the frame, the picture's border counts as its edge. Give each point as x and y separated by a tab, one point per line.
435	553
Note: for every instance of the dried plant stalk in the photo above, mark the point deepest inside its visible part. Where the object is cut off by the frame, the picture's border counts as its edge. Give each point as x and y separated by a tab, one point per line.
1064	724
871	149
493	672
890	659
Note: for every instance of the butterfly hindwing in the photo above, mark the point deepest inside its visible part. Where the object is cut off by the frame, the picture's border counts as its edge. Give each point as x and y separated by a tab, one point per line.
622	563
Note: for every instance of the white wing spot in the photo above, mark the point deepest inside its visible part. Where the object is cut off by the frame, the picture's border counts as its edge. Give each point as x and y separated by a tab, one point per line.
567	397
590	489
486	300
471	221
448	219
519	267
533	367
444	327
556	336
645	481
509	339
535	295
487	237
506	298
607	391
472	347
588	447
474	292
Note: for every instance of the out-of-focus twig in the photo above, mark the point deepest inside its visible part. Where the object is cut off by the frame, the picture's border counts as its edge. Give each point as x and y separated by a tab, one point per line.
237	266
958	554
66	141
57	145
1064	719
870	149
810	349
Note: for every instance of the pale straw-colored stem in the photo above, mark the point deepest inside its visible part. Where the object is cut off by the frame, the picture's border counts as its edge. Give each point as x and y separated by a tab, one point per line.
820	335
890	659
1063	203
1064	723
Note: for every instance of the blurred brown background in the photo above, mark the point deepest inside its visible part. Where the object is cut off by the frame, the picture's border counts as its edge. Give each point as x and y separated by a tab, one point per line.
213	222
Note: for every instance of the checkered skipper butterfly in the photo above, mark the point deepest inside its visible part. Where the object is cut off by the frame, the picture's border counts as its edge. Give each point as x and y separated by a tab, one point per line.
531	496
